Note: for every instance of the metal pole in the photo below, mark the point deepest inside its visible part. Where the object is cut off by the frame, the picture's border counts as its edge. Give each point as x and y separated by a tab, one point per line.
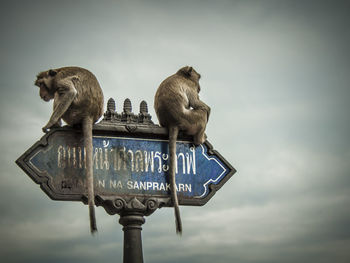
132	222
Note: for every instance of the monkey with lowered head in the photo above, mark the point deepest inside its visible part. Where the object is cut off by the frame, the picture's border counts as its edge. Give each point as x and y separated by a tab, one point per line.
78	99
179	108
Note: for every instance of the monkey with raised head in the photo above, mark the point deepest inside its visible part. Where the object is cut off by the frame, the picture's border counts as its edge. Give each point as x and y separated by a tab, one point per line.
179	108
78	99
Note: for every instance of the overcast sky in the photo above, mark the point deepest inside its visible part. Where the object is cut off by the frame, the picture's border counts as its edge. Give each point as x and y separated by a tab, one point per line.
276	75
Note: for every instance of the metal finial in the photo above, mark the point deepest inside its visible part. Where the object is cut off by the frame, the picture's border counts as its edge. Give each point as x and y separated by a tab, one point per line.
127	106
143	107
111	105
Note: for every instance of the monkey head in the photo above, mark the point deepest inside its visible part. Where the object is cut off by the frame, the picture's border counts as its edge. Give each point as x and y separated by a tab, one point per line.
44	81
189	73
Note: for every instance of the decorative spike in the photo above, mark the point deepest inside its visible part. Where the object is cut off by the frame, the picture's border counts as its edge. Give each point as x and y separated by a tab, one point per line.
143	107
111	105
127	116
127	106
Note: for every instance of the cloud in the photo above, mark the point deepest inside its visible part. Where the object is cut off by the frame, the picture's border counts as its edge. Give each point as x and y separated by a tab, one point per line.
276	76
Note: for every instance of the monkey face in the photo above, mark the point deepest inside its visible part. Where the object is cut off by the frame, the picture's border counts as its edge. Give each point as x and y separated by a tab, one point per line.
44	92
196	76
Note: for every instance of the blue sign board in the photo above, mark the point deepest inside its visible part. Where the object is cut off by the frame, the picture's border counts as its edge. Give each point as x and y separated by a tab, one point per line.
125	166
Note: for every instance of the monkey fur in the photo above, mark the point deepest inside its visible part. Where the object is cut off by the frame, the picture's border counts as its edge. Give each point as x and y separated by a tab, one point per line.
78	99
179	108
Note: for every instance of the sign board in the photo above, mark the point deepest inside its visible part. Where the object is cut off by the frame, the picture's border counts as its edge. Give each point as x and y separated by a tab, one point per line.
123	165
130	164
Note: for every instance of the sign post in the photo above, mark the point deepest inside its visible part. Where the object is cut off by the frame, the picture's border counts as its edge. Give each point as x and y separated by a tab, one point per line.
130	161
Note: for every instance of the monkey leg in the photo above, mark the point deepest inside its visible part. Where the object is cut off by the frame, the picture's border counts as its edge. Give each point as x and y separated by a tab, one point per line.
195	124
200	137
200	105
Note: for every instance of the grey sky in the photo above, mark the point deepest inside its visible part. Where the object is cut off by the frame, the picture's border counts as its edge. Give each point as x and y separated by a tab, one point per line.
276	75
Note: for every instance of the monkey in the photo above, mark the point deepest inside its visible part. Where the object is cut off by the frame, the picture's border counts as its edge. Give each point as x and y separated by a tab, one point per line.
178	108
78	100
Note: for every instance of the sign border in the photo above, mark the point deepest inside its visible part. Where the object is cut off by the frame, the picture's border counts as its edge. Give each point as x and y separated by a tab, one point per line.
130	131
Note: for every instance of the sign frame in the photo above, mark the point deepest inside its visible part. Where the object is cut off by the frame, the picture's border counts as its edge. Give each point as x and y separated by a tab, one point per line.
128	125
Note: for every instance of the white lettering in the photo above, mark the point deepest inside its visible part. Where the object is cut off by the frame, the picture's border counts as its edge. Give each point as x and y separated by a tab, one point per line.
162	187
113	184
191	161
188	188
181	188
149	160
129	185
155	186
102	183
122	158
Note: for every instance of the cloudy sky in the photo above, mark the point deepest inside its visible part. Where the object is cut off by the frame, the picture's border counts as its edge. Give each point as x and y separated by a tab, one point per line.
276	75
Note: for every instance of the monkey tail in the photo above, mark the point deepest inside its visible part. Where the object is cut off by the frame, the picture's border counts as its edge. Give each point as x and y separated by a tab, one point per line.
87	133
173	132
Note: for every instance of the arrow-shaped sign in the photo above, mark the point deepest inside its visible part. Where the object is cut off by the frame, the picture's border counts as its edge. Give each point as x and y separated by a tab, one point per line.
124	166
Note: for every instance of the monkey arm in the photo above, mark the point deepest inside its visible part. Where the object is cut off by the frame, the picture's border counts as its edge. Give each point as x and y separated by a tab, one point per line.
59	122
64	97
208	110
197	104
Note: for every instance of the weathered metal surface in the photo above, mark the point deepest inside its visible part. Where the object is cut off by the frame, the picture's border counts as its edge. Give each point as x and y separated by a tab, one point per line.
130	164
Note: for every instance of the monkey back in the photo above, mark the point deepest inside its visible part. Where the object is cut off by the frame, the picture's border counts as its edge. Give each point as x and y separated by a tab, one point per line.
89	97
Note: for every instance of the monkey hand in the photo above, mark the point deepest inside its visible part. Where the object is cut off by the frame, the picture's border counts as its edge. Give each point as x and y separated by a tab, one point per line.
45	129
208	113
50	125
